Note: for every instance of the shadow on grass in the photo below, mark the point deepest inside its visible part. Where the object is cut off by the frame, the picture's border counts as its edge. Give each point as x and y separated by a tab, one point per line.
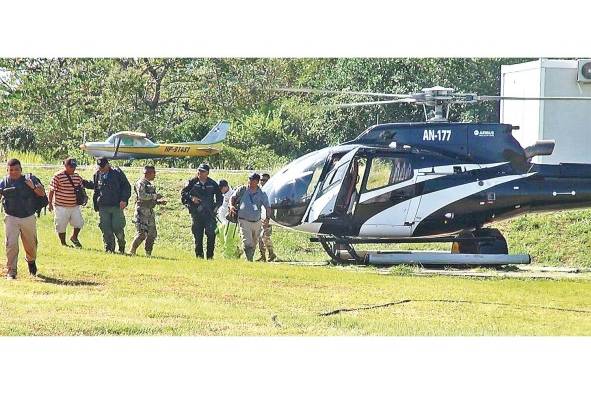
405	301
66	282
128	255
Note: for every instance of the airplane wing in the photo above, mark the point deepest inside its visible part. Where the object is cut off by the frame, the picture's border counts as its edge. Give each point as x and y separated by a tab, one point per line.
215	135
129	134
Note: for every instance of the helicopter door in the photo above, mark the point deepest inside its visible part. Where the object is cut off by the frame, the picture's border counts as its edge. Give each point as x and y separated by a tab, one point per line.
387	192
333	194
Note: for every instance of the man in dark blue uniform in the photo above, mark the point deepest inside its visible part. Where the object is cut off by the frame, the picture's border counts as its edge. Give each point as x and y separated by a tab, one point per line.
111	195
202	196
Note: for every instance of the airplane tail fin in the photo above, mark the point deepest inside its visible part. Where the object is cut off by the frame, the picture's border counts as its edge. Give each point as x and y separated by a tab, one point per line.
217	134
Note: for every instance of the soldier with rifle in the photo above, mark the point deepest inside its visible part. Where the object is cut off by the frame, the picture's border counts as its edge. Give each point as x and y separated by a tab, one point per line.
202	197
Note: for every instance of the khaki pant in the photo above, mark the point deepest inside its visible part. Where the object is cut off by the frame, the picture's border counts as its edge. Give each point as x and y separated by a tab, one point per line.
26	228
65	215
249	232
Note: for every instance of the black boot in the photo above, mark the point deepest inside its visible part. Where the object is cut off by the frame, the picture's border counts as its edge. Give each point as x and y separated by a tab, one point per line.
32	268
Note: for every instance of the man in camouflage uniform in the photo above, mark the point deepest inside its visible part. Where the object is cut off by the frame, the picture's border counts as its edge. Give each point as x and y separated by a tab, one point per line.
145	217
265	242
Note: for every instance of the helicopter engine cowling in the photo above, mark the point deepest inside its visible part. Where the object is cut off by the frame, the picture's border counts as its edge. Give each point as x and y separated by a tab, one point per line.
469	142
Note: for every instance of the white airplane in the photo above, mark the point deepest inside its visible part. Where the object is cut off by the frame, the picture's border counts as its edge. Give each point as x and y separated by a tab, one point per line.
133	145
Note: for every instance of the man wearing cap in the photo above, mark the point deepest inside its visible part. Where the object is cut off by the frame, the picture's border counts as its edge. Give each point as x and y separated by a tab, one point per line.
111	195
265	242
145	217
64	203
202	196
247	202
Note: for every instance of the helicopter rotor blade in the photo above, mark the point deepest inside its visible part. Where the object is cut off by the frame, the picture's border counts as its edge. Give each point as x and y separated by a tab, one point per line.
322	91
499	98
365	103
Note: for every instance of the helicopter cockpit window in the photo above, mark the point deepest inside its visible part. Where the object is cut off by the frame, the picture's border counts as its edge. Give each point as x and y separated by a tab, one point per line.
385	171
291	189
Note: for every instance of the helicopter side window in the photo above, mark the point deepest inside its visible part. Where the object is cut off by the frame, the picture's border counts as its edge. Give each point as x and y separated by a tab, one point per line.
385	171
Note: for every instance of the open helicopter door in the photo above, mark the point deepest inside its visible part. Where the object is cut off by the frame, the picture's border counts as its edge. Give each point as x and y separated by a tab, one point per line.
331	193
387	205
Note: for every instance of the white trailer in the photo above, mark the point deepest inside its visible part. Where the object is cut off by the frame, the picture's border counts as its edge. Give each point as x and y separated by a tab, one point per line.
566	122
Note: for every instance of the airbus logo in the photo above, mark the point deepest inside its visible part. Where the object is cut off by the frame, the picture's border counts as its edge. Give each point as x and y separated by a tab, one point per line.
484	133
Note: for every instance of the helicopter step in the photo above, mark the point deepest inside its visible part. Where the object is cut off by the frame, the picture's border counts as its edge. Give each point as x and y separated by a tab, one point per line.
445	258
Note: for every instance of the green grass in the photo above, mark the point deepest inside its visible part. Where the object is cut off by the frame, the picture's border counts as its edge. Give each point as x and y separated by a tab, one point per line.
87	292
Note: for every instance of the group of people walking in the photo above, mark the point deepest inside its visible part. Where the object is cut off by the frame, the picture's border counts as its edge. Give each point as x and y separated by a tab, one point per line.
208	202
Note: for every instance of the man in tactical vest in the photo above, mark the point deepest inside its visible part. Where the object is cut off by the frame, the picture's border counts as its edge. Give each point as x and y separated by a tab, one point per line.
111	195
202	196
145	217
19	199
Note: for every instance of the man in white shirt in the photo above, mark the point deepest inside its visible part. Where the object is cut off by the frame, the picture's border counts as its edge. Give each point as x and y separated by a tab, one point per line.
227	193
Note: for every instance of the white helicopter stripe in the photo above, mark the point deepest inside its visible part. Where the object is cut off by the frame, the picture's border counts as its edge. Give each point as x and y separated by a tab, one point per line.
426	175
390	222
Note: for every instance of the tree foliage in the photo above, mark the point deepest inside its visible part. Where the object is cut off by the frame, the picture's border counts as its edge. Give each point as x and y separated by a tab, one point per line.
64	102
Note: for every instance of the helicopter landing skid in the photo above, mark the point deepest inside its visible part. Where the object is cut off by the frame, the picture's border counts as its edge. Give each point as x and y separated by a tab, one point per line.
341	251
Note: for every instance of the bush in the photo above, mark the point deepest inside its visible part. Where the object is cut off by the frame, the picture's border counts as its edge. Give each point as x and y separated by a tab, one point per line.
18	138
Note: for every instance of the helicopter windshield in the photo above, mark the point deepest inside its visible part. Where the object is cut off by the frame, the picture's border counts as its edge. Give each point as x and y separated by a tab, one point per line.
291	189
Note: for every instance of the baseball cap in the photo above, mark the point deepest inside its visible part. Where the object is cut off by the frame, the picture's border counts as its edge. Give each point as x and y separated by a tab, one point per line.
254	175
203	167
102	161
70	161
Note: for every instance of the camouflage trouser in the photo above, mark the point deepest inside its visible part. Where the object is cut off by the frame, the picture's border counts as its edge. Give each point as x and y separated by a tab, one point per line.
265	242
145	229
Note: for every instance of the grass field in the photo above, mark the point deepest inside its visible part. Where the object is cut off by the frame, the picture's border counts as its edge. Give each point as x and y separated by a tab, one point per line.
87	292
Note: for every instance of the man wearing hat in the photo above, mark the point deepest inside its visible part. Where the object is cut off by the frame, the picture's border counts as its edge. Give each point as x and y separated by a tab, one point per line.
64	190
202	196
145	217
247	202
111	195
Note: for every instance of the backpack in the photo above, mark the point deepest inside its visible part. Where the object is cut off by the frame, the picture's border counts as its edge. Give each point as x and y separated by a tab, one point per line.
40	202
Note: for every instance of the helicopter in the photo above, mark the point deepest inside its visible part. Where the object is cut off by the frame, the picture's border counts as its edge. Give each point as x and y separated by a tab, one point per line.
432	181
126	145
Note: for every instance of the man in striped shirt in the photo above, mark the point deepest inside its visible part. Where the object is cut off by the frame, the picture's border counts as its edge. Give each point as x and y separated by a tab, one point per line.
62	200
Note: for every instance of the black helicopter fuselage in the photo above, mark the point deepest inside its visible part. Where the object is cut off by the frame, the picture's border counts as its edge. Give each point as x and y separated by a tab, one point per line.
422	179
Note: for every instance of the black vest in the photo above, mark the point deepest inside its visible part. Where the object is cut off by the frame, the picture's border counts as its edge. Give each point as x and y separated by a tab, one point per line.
18	198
